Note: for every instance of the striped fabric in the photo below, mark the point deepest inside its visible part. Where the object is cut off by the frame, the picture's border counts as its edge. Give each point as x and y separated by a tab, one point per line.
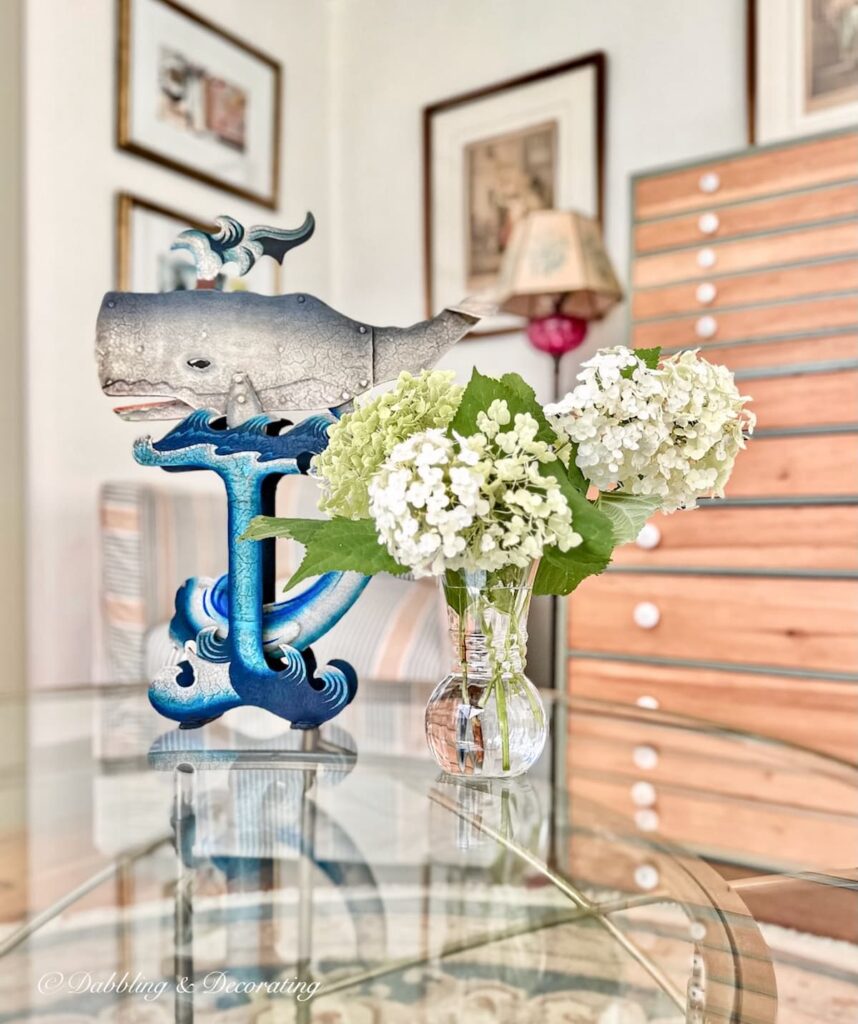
153	539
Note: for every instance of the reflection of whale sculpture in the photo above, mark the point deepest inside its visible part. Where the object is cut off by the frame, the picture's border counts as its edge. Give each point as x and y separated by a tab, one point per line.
232	360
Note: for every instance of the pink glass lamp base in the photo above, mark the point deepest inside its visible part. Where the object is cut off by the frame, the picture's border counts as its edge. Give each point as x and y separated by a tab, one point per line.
557	334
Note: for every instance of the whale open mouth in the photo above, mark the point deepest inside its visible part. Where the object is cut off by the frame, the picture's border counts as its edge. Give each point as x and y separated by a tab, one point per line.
167	407
173	409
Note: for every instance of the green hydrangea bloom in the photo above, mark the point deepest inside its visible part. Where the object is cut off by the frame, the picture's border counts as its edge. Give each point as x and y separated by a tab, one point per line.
361	441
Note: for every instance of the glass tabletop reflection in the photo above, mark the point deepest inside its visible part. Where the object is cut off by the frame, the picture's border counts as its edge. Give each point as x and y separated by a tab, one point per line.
249	872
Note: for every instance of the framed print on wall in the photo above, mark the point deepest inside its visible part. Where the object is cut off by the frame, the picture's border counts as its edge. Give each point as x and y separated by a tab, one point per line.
145	263
492	155
198	100
802	67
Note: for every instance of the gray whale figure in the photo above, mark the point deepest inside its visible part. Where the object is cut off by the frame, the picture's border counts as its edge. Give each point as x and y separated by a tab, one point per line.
242	354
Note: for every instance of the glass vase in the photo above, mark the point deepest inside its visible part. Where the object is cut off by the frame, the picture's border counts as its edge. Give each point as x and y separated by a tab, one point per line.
486	719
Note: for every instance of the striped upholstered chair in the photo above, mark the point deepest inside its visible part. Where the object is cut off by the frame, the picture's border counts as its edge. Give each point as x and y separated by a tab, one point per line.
153	538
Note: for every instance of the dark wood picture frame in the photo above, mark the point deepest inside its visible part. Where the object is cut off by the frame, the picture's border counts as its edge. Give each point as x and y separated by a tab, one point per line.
751	28
596	59
124	140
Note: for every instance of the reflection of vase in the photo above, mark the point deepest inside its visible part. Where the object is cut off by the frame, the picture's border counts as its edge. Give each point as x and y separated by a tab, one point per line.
486	718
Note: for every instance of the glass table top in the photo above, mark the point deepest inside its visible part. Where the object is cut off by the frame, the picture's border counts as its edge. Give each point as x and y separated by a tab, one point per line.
649	869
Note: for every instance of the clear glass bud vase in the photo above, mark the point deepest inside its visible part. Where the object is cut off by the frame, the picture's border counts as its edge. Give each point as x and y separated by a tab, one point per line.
486	719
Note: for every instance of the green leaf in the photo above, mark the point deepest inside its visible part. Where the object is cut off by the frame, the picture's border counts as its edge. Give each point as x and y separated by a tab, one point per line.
576	476
627	512
648	356
455	591
560	572
331	545
263	527
519	396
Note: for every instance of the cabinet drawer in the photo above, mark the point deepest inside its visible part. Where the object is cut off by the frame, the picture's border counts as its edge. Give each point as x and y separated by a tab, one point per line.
821	537
812	713
818	315
823	465
738	831
813	399
771	354
756	217
747	289
705	261
795	166
710	763
797	623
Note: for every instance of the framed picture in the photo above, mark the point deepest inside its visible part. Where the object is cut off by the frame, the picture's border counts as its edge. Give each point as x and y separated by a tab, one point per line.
492	155
198	100
145	263
802	67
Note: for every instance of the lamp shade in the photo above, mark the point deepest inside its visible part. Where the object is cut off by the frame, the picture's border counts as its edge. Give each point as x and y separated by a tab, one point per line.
555	263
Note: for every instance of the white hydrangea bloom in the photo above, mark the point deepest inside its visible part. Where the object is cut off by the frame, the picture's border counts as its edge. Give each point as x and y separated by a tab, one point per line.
471	503
672	433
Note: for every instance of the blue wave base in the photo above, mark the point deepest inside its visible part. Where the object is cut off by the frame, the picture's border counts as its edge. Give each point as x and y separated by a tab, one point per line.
237	650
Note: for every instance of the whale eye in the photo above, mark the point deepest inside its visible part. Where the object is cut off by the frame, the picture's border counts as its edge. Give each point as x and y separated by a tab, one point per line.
199	364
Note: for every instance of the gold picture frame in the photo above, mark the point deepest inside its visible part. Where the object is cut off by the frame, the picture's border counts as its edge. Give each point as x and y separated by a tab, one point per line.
227	136
265	278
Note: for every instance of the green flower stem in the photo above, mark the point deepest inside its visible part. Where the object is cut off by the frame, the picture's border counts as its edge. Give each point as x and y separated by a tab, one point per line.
500	697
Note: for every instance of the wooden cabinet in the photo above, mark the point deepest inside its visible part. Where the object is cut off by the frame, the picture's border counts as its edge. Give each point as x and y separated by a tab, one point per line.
794	538
807	711
787	623
744	612
752	173
837	202
709	258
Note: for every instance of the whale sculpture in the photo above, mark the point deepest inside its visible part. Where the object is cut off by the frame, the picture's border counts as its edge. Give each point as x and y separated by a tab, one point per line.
229	365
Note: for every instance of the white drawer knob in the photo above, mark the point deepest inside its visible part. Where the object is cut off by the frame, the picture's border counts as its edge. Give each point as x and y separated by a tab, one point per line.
706	327
709	182
706	293
643	794
645	757
646	615
708	223
648	702
646	821
646	876
649	537
706	258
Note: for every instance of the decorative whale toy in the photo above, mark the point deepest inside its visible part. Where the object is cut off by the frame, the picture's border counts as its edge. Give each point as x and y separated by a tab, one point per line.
229	365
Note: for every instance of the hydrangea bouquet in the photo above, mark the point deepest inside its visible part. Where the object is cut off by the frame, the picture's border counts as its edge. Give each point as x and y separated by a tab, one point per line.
501	498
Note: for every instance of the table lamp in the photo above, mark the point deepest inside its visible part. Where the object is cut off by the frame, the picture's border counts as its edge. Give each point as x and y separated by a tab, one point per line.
556	272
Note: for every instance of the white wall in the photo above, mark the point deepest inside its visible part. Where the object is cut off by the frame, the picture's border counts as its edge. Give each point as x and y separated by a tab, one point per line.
675	86
73	170
11	349
357	73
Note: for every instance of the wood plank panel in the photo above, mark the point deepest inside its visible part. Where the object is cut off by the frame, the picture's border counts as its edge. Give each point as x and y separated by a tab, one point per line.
814	465
815	399
758	216
736	830
769	354
795	165
747	768
758	322
812	713
821	537
747	289
795	623
801	246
